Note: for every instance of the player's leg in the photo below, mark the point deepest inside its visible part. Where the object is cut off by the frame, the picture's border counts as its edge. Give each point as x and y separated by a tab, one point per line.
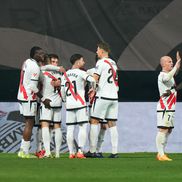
82	120
103	128
28	110
114	138
57	131
165	125
45	119
70	122
46	137
98	111
58	138
161	142
111	117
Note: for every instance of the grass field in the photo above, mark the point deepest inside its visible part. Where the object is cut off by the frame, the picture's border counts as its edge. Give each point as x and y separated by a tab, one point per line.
135	167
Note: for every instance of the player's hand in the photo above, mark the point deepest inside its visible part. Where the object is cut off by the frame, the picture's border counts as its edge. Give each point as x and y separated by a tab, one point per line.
168	93
61	69
178	63
55	83
46	102
91	93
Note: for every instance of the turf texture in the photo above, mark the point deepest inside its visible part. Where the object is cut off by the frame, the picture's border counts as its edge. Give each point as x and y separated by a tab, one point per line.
134	167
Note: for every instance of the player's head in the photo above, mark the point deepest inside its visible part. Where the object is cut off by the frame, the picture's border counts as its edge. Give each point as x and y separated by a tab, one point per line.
37	53
103	50
166	63
77	60
54	59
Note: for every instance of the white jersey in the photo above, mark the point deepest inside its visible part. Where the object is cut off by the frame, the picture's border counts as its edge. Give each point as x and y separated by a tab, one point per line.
91	71
108	85
28	81
48	91
73	88
166	103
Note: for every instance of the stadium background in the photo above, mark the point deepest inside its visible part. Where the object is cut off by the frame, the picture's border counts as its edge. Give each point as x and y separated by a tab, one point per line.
139	33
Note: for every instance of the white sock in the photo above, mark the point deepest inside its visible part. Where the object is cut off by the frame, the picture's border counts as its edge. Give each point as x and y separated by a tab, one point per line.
46	140
100	139
26	147
82	136
22	144
70	138
114	139
167	135
93	137
58	140
160	142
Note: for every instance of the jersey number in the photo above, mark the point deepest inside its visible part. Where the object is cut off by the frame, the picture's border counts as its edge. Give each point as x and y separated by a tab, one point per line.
67	84
111	76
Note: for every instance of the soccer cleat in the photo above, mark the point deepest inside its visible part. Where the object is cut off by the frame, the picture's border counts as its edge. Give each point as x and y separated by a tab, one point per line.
57	155
21	154
40	154
72	156
163	158
91	155
99	155
80	155
114	156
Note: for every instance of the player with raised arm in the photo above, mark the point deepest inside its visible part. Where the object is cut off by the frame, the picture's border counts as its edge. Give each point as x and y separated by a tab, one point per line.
105	106
73	93
166	104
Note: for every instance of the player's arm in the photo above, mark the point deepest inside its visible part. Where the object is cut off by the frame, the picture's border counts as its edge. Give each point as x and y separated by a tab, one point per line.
53	68
63	92
170	75
34	78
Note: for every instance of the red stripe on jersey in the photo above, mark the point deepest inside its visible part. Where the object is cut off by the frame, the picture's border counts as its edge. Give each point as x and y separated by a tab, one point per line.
71	88
170	97
22	88
173	102
53	78
50	76
113	71
162	103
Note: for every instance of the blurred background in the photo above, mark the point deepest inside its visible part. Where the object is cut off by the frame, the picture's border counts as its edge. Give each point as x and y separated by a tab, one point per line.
139	33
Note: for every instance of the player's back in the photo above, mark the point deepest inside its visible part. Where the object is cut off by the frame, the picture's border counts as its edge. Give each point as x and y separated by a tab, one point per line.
74	83
30	73
106	68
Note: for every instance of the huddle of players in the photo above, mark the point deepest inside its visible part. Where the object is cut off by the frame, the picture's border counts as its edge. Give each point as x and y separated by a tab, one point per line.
69	88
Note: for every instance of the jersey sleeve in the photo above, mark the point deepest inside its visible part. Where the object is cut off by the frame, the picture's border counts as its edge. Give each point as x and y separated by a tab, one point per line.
34	74
63	92
98	68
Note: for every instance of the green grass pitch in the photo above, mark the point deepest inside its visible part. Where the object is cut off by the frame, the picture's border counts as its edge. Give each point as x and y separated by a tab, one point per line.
134	167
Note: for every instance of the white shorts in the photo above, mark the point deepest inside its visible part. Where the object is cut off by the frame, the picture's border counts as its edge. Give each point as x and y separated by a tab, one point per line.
28	108
165	119
76	116
104	109
50	115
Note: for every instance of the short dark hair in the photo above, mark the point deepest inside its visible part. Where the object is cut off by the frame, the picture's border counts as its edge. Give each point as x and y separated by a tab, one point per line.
34	50
75	57
104	46
53	56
